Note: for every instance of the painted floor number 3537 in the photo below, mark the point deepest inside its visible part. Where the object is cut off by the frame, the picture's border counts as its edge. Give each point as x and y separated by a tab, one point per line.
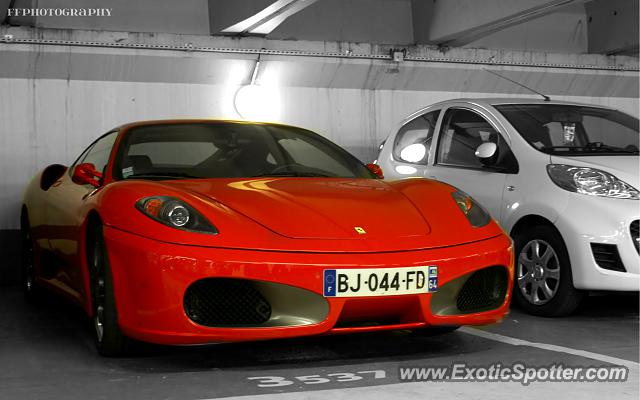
274	381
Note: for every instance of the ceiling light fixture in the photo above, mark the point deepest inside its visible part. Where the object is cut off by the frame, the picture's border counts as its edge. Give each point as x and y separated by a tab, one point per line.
257	102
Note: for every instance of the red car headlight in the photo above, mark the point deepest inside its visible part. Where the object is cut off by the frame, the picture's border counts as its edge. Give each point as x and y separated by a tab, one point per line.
175	213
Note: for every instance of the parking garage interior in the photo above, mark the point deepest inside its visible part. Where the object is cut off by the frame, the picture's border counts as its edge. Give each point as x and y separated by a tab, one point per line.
351	70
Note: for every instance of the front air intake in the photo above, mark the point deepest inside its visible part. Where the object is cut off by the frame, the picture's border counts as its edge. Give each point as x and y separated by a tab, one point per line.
485	290
607	257
224	302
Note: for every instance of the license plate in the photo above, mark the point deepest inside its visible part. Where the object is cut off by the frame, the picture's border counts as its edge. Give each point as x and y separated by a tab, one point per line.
380	281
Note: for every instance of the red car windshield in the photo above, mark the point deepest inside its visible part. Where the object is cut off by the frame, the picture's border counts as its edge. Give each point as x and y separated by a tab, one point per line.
231	150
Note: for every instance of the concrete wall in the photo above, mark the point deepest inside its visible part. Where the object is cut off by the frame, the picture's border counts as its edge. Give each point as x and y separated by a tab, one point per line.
4	4
613	26
373	21
562	31
454	16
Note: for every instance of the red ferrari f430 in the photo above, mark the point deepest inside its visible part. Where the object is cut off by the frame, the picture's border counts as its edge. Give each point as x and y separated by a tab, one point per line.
205	231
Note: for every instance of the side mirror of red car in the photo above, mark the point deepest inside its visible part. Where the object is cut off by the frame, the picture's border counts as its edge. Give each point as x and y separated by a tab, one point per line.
375	168
86	174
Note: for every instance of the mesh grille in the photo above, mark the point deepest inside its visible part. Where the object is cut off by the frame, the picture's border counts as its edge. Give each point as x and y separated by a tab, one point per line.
484	290
633	229
225	302
607	256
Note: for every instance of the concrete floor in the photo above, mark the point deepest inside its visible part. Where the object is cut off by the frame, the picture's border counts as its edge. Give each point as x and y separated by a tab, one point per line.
46	352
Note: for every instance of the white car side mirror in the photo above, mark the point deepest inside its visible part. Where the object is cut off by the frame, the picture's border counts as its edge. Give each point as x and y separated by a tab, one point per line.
487	153
413	153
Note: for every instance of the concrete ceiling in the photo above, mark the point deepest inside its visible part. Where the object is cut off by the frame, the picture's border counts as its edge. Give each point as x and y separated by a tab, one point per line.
573	26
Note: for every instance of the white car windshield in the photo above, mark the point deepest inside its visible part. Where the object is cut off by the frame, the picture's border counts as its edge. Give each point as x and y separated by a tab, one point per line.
574	130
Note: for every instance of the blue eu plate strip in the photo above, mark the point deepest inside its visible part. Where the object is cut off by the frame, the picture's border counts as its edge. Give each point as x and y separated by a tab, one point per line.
433	279
329	282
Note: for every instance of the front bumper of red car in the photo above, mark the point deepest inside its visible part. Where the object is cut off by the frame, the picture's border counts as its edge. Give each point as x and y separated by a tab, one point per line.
152	282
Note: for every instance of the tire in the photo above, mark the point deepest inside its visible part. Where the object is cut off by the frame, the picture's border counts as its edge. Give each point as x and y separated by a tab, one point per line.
109	339
32	292
543	282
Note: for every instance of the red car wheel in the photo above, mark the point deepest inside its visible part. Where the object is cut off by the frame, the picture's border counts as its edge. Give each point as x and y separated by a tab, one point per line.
108	337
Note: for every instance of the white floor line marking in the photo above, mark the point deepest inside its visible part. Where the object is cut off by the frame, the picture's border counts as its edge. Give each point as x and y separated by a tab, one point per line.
551	347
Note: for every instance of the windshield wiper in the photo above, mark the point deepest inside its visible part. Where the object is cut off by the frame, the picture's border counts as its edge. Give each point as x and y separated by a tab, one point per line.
164	175
605	147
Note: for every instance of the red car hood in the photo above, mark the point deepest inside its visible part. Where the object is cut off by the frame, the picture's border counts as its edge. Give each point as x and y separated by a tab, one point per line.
311	208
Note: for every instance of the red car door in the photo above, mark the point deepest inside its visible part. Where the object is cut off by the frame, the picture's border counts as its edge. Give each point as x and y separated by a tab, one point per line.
65	218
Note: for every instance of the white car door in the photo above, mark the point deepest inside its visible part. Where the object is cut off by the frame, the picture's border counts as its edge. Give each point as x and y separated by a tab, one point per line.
463	128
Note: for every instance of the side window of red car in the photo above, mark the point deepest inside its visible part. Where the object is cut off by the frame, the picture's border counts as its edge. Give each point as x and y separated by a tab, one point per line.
98	153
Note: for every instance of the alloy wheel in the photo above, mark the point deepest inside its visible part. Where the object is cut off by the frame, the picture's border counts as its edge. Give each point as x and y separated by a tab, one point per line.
538	272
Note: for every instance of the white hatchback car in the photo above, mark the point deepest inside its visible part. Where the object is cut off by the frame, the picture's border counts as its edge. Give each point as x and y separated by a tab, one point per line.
561	178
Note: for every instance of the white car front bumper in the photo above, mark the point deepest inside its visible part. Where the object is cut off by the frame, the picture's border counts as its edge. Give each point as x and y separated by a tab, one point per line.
590	219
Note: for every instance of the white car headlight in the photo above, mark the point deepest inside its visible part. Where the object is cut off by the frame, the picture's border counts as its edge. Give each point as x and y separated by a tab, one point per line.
590	181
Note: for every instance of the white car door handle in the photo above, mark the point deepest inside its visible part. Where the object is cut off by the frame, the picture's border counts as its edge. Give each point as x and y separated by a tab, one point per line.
511	188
